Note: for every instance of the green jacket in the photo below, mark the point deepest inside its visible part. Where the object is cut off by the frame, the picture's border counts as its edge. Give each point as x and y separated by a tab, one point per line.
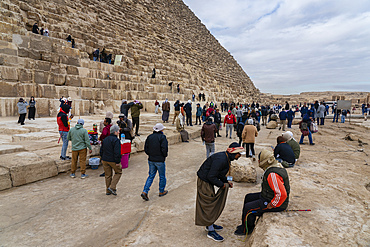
135	110
296	148
79	137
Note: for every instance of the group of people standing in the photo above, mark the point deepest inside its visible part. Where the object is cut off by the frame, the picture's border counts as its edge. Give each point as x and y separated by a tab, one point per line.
22	109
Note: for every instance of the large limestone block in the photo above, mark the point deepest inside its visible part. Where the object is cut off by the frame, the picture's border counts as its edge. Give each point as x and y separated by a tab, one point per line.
296	121
24	173
271	125
43	108
73	81
242	170
9	73
57	79
8	106
139	143
5	181
26	89
33	136
6	149
46	91
8	89
8	48
25	75
95	150
41	77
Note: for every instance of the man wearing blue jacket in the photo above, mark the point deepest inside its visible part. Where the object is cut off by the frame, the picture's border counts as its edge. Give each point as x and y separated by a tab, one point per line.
283	115
110	153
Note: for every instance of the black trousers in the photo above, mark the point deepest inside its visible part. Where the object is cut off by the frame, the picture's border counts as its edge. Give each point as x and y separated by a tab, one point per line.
248	147
31	113
135	122
188	120
254	205
196	120
21	118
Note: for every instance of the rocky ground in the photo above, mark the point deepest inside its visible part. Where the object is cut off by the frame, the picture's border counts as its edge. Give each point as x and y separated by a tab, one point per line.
331	178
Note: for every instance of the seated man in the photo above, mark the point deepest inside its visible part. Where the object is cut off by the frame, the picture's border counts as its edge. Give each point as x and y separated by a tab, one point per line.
284	153
274	196
288	136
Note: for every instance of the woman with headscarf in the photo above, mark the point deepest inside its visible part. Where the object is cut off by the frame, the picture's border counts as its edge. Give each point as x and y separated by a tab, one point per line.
166	107
32	108
209	205
274	196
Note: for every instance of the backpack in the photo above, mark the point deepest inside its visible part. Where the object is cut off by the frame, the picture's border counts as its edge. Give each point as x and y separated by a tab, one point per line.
304	126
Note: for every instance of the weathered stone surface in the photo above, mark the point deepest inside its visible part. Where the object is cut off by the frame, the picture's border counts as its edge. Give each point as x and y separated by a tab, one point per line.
33	136
242	170
9	73
271	125
8	48
5	182
139	143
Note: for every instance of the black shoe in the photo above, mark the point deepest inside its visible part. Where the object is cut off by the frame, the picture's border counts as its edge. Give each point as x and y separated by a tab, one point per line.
312	144
114	192
219	136
137	134
102	175
145	196
240	231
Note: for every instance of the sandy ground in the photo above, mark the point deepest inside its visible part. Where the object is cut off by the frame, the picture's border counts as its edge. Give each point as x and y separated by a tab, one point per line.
332	179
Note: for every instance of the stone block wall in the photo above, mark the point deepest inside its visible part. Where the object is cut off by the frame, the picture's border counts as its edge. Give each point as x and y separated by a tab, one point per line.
159	34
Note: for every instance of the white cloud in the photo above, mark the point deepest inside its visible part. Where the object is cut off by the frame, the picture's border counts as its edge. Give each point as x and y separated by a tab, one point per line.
291	46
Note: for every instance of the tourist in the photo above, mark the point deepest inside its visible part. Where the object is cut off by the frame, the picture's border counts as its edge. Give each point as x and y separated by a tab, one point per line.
283	115
42	31
239	114
204	113
217	121
63	126
304	110
321	114
96	54
125	107
239	131
135	114
46	32
284	153
177	110
274	195
125	126
80	142
178	88
153	73
166	107
209	205
110	153
156	147
344	115
101	124
286	106
35	28
156	105
69	38
22	110
304	126
200	96
203	97
207	133
249	135
288	136
73	43
337	112
198	114
193	97
106	129
32	108
229	120
290	117
188	113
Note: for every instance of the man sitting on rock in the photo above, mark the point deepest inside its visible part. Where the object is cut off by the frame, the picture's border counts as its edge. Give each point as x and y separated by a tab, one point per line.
284	153
274	196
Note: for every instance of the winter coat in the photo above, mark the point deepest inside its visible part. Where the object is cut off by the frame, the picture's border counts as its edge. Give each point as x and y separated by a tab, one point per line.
218	118
214	169
187	109
79	137
125	108
284	152
199	111
208	132
283	115
135	109
166	106
110	150
249	134
22	107
156	147
321	111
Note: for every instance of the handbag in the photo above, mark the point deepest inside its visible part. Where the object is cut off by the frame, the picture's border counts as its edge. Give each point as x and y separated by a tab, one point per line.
314	128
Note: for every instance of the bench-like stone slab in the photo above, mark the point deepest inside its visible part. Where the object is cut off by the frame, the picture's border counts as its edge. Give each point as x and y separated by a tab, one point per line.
6	149
5	181
33	136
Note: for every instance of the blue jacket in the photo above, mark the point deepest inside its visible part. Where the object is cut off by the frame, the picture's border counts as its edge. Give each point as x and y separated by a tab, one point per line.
199	111
290	114
110	150
283	115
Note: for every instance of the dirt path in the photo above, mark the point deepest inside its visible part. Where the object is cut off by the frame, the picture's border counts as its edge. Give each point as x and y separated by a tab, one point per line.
330	178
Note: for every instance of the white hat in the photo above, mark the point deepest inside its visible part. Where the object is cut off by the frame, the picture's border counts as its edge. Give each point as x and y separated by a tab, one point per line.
189	101
158	127
250	121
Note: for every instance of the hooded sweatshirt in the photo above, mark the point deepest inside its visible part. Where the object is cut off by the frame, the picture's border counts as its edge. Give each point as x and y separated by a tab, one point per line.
79	137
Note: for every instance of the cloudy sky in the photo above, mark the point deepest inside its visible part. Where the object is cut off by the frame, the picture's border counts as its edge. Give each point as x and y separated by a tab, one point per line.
293	46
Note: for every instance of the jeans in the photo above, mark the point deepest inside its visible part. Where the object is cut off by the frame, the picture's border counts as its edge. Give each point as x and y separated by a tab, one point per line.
153	168
63	135
290	123
335	117
309	138
229	127
239	119
95	58
210	148
343	118
322	121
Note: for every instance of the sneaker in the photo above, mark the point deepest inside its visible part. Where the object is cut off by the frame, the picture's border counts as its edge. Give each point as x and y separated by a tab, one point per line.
102	175
163	193
215	236
226	135
230	137
240	231
72	175
219	136
312	144
108	193
84	175
216	227
67	158
112	191
145	196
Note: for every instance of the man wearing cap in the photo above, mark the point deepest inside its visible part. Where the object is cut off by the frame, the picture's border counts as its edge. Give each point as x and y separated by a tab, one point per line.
187	109
156	147
209	205
110	153
274	196
80	142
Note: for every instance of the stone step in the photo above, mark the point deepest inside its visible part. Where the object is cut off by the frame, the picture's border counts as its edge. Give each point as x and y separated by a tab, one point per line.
7	149
35	136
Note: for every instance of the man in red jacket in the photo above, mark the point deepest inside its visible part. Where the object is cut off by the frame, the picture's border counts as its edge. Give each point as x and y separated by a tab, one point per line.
229	120
63	126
